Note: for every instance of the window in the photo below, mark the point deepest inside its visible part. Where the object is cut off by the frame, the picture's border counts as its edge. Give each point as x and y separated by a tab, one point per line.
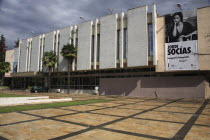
76	43
71	41
150	36
40	54
54	48
43	51
98	47
118	44
92	49
30	56
125	55
58	48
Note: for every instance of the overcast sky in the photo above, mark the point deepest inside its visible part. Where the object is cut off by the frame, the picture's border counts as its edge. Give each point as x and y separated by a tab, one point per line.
19	17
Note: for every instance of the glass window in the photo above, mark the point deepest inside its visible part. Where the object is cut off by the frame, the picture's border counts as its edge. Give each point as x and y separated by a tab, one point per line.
150	49
118	44
40	54
98	47
92	49
54	44
71	41
125	55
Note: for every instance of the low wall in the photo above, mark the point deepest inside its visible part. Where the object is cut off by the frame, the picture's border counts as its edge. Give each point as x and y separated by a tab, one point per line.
164	87
74	91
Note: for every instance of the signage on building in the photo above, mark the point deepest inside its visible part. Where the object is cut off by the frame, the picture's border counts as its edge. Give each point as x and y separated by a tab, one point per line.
181	55
181	41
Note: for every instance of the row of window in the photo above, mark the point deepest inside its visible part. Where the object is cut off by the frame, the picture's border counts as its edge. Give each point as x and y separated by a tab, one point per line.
57	41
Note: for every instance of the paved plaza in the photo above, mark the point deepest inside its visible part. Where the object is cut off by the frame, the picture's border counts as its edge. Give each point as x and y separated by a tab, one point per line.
123	118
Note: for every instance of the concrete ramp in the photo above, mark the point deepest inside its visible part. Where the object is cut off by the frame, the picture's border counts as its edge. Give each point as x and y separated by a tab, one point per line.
9	101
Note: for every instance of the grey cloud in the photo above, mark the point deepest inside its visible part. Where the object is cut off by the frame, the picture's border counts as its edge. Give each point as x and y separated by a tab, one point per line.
19	18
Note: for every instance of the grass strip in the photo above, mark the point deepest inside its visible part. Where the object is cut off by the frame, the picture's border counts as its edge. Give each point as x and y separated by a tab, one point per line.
50	105
12	95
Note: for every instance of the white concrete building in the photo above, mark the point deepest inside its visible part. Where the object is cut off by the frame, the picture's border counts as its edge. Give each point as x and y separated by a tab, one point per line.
115	46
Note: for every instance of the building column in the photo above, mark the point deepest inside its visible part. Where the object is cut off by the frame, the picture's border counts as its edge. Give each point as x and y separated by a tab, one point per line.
18	66
74	42
56	48
42	52
95	45
38	66
121	39
154	20
29	54
71	35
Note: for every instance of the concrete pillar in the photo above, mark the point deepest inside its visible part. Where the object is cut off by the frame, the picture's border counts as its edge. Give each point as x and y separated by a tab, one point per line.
70	35
154	17
121	39
74	42
42	51
95	45
29	54
56	48
18	67
39	47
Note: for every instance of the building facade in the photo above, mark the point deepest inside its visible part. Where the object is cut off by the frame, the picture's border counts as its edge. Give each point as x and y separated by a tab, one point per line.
123	54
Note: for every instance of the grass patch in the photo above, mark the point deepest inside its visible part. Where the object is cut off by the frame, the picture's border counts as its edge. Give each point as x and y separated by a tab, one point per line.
43	106
12	95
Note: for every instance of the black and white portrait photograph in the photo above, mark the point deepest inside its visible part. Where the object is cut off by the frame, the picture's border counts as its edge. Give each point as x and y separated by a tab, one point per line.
181	26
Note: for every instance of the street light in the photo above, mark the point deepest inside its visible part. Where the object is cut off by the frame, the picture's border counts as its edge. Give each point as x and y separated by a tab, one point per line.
33	33
179	5
111	10
82	18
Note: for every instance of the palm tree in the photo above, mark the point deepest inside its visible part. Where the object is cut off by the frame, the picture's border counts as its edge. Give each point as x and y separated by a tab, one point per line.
4	67
49	59
69	52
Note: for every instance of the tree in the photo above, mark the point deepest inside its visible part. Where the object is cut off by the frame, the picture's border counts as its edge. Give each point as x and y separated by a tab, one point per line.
69	52
4	67
2	48
17	43
49	59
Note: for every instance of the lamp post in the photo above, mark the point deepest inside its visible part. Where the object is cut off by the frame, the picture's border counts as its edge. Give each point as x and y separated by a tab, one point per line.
111	10
179	5
82	18
33	33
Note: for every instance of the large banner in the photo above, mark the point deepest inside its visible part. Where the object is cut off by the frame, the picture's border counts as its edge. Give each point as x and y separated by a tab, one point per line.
181	41
181	55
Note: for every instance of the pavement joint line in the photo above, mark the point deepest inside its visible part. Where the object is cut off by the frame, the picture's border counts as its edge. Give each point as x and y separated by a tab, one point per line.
188	125
194	118
2	138
19	122
134	134
94	113
111	122
158	111
173	112
110	106
175	106
78	112
43	117
134	117
59	120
